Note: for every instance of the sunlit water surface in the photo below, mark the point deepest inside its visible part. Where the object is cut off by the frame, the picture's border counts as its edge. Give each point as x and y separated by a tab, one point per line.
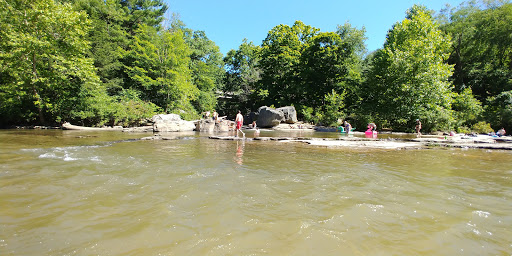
103	193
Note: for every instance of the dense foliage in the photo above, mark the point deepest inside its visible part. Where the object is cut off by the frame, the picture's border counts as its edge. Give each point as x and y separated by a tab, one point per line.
409	76
101	62
482	55
118	62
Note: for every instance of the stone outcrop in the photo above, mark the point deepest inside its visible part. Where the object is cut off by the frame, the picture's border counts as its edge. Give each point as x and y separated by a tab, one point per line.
165	118
206	125
171	123
290	114
146	128
269	117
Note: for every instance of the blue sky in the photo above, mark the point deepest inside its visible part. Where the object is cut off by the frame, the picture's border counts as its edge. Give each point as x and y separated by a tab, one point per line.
228	22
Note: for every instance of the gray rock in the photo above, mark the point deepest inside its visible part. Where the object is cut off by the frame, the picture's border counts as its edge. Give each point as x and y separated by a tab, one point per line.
171	123
174	126
211	126
290	114
165	118
224	126
269	117
146	128
205	125
253	116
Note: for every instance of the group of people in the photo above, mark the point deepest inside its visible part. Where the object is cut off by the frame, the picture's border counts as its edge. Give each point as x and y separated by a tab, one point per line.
239	120
373	127
215	115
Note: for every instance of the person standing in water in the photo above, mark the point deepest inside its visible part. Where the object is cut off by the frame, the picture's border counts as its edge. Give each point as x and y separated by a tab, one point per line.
347	126
239	120
215	116
418	127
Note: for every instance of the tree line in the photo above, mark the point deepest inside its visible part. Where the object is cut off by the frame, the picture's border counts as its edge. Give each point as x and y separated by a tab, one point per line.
118	62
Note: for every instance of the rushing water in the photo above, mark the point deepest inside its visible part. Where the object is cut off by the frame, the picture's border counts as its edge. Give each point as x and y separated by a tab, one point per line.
103	193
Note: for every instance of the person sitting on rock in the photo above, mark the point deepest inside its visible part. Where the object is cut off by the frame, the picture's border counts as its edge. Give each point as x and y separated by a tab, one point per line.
501	132
372	127
215	116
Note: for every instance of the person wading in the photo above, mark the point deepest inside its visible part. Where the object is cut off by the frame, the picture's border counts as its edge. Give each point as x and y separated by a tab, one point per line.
239	120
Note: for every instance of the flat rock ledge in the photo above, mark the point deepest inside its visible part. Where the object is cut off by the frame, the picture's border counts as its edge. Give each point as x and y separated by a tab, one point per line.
356	142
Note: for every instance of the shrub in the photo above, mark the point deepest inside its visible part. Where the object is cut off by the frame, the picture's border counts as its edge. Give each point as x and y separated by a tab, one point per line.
482	127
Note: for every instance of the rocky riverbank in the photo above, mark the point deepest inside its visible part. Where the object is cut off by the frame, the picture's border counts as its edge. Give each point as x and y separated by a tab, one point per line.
479	142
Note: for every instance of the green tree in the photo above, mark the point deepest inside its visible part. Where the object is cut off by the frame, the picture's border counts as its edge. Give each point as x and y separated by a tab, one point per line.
331	61
467	109
499	111
322	69
409	76
158	67
241	78
482	54
142	12
482	47
355	48
280	56
43	67
206	64
332	110
108	38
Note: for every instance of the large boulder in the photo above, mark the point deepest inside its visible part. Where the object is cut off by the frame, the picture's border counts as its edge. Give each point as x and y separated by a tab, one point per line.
269	117
290	114
212	126
171	123
224	126
251	117
205	125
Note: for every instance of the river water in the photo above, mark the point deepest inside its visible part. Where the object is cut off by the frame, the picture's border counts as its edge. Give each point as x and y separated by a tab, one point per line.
104	193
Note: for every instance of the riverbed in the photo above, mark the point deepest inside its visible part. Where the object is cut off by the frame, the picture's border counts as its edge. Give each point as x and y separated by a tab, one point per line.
109	193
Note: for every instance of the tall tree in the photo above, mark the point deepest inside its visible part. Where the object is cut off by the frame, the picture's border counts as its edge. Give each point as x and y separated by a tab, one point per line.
409	77
482	47
206	65
242	76
331	61
280	56
43	67
108	38
158	66
482	54
355	48
142	12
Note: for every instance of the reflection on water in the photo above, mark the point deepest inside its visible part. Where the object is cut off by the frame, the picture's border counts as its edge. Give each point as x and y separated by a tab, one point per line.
94	194
239	151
